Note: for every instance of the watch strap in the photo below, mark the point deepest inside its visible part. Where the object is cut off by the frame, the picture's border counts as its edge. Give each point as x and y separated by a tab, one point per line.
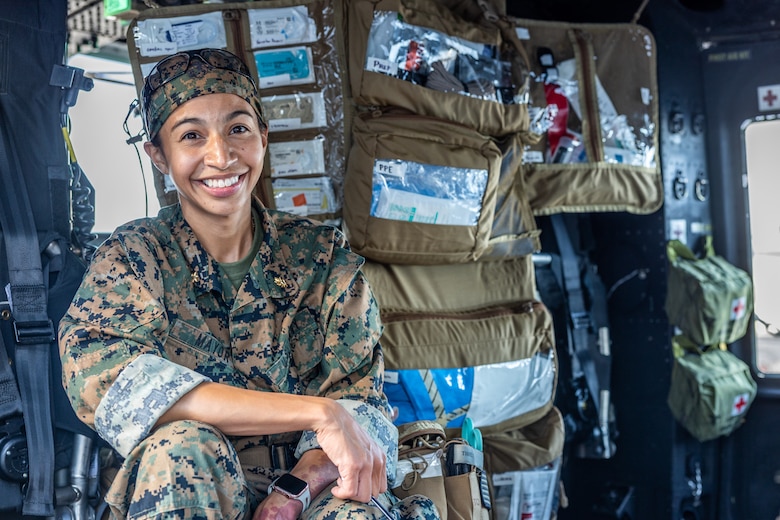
304	497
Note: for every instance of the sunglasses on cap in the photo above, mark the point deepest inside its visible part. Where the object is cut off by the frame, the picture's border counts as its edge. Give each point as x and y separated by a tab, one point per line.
177	64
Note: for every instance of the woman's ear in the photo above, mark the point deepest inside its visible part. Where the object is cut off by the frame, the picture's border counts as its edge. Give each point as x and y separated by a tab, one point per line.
157	156
265	136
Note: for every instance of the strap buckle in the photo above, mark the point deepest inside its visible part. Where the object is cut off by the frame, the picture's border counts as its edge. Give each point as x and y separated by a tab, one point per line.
580	320
33	332
282	455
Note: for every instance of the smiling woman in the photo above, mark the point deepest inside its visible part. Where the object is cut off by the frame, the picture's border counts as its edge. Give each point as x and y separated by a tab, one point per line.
206	341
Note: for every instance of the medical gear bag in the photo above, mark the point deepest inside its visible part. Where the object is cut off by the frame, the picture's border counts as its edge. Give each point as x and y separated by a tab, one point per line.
424	191
465	341
709	299
425	58
469	475
592	143
711	389
448	469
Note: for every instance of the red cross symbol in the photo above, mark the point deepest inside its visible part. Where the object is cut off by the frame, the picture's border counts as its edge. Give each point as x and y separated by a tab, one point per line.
738	308
770	98
739	403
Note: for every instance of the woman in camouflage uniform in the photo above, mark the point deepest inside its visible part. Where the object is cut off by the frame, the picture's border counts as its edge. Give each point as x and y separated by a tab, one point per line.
221	344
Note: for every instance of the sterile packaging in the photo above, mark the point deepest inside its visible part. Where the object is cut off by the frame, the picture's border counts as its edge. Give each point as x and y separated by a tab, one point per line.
416	192
297	157
284	67
307	196
281	26
529	494
165	36
479	393
294	111
437	60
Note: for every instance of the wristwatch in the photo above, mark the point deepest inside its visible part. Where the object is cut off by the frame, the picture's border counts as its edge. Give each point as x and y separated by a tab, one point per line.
293	488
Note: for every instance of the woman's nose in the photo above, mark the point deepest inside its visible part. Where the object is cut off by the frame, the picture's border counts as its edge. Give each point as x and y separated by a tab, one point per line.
219	153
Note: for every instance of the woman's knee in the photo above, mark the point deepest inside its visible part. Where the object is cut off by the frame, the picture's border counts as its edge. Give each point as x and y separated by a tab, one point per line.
186	441
182	465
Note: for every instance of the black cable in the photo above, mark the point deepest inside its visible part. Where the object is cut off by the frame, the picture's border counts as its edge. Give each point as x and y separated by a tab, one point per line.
134	140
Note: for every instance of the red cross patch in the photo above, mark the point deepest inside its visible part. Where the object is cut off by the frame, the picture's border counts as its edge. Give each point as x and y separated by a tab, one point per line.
738	306
740	404
768	99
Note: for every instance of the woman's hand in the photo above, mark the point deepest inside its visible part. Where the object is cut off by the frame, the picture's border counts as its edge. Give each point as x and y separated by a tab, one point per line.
359	460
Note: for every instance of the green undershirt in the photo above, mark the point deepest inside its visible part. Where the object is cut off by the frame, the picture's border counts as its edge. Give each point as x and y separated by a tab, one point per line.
236	271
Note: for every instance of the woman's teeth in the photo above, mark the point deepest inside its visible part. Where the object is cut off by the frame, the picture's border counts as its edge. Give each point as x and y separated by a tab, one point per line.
221	183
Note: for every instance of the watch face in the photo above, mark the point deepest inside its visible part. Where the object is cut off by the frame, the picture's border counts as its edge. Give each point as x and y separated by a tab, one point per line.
291	484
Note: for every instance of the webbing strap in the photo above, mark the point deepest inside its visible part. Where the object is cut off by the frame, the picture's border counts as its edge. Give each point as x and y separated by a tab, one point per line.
33	329
10	401
578	313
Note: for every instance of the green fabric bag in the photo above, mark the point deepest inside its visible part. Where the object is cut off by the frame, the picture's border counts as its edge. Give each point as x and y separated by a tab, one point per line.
709	299
711	389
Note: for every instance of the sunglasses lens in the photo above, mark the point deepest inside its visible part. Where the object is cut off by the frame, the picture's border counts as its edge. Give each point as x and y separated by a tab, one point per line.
223	60
168	69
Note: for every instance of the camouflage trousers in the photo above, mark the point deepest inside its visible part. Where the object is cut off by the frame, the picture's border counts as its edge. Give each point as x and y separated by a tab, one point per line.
190	470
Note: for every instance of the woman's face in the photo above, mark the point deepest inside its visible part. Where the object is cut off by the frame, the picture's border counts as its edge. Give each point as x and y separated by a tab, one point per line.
212	146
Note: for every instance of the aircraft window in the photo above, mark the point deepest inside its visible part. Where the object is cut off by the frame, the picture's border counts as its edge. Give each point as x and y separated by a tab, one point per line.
763	160
99	141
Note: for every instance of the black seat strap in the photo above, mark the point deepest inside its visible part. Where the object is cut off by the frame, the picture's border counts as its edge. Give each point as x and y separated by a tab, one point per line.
10	401
33	330
581	324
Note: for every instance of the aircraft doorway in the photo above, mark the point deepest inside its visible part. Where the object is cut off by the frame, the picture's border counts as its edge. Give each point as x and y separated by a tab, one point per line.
761	138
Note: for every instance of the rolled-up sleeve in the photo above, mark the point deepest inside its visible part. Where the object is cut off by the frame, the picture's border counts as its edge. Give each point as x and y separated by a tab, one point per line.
139	396
353	364
115	372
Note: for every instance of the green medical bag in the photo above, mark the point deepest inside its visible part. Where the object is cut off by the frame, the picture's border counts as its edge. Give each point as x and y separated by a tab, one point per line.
709	299
711	389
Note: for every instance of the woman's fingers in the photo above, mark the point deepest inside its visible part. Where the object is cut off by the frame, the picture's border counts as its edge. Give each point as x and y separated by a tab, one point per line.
365	478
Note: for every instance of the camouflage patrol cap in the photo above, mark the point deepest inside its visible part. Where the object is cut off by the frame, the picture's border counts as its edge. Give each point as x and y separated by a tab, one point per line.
186	75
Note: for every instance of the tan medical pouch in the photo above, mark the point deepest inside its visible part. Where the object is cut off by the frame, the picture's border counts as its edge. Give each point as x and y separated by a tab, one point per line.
419	55
593	140
419	190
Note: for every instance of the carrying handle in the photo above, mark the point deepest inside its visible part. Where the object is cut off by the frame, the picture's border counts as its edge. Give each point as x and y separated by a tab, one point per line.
508	34
638	12
676	249
682	344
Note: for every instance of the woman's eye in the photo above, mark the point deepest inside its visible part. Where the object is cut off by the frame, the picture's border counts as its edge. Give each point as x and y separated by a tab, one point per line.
239	129
189	135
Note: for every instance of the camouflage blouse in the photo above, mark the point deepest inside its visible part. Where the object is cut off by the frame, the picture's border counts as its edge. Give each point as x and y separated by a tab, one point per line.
155	316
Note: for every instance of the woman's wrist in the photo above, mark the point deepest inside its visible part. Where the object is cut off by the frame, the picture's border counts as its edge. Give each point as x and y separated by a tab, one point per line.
317	470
